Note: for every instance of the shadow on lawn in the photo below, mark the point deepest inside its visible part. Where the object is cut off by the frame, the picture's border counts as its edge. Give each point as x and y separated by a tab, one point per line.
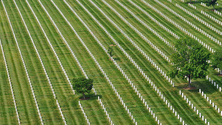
90	96
204	85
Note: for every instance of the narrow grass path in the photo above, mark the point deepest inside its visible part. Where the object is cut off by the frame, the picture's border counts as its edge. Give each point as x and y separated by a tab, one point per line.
26	106
7	109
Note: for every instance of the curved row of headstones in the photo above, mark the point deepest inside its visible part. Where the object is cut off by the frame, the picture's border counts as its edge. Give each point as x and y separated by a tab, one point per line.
210	17
200	20
194	26
39	57
120	69
23	62
154	20
139	33
214	83
178	26
136	30
211	103
64	71
98	65
84	113
137	47
193	107
107	115
135	89
73	55
10	83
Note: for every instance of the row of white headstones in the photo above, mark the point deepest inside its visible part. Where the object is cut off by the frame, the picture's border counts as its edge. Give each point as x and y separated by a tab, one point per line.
193	107
116	92
74	55
212	18
26	71
216	85
10	83
211	103
200	20
139	70
178	26
137	31
194	26
206	14
80	105
123	73
191	5
101	103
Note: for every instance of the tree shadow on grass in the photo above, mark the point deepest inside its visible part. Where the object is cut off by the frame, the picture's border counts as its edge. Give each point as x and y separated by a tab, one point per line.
90	96
205	86
194	2
202	84
77	97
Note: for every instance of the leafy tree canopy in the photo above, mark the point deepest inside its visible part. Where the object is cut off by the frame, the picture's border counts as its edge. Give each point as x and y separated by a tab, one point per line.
212	3
190	60
217	60
82	85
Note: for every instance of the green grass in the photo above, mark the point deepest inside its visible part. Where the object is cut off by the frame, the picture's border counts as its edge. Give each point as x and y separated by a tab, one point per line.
69	102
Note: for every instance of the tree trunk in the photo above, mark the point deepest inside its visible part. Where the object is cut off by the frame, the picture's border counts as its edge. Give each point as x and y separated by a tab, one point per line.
189	81
214	7
84	97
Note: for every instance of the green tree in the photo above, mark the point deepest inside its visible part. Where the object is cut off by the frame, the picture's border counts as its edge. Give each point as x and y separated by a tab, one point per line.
212	3
82	85
190	60
110	51
217	60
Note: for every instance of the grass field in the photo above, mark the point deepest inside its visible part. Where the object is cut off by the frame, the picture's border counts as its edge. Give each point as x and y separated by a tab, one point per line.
45	44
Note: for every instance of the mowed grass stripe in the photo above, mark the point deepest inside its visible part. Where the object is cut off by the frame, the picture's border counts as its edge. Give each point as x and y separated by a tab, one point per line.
7	109
207	40
133	71
179	22
101	115
114	108
181	99
140	27
202	16
94	112
150	52
25	105
154	15
101	55
65	96
205	108
48	108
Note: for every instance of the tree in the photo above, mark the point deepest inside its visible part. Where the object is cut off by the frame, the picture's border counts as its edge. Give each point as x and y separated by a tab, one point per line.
217	60
83	85
110	51
212	3
190	60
